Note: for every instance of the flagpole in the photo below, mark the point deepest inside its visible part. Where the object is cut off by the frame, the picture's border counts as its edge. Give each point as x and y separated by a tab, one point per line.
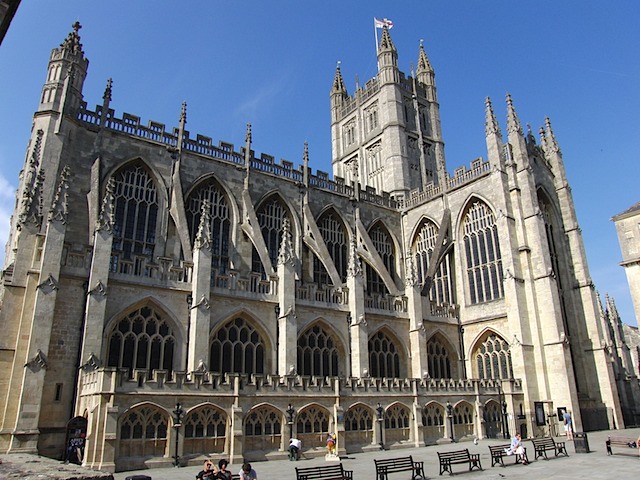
375	29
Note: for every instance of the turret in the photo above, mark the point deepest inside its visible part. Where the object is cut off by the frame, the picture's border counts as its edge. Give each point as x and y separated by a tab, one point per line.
494	137
425	74
338	94
67	70
388	71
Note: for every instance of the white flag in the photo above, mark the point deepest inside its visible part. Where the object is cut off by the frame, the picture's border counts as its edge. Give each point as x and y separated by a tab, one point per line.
385	22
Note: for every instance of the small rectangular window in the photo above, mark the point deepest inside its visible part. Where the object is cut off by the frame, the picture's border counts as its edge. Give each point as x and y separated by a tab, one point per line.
58	394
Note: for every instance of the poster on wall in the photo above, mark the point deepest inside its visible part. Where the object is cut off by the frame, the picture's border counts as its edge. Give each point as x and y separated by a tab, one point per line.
540	417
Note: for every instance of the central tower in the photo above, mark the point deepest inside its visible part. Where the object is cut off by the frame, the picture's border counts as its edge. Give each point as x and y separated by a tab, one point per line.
387	135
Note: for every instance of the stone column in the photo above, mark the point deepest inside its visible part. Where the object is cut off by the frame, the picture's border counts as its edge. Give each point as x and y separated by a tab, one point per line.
287	330
358	332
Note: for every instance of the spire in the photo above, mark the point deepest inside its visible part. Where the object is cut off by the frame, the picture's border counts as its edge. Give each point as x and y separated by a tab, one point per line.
492	127
513	123
72	42
203	237
107	217
385	40
181	125
551	138
338	87
285	255
59	206
424	65
354	269
106	100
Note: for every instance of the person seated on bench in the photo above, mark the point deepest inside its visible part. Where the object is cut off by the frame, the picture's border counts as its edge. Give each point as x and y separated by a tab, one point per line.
209	471
223	473
517	448
294	448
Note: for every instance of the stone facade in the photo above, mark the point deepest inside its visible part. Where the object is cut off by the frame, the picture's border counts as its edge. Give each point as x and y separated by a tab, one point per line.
628	228
184	298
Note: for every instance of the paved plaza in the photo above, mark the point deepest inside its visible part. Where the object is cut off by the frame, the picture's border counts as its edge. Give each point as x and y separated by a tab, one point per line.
624	464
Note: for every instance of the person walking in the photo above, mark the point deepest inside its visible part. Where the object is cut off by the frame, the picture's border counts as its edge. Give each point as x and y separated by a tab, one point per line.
568	424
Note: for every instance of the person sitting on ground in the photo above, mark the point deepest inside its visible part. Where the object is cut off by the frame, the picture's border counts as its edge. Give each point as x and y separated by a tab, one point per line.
294	449
209	471
517	448
248	473
223	473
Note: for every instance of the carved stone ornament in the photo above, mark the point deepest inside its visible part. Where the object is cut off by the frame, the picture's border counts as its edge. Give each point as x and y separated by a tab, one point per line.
38	362
49	285
204	302
99	289
202	367
92	363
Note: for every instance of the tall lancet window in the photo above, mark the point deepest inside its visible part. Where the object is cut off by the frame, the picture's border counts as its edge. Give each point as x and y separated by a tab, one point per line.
442	290
493	357
237	348
318	353
384	246
271	215
482	250
220	222
136	215
335	238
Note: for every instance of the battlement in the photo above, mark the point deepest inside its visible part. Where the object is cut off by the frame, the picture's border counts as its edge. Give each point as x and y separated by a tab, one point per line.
203	145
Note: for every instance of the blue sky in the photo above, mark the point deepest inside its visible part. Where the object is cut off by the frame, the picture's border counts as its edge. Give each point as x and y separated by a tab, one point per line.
272	63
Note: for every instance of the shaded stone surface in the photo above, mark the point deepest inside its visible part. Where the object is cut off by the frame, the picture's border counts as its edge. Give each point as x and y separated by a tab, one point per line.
32	467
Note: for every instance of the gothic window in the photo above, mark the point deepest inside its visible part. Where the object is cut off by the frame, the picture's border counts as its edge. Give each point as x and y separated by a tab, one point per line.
492	416
335	238
384	358
439	364
220	222
396	416
237	348
433	415
482	249
442	291
271	215
493	358
205	422
145	422
384	246
317	353
463	414
375	167
263	421
136	214
371	117
312	420
358	418
349	132
142	340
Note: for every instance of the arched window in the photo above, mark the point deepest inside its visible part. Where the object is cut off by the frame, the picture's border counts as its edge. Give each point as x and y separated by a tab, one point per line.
142	339
205	422
482	249
438	361
271	215
136	216
143	432
237	348
220	222
384	359
384	246
335	238
312	420
493	358
396	416
262	429
442	290
317	353
358	418
433	415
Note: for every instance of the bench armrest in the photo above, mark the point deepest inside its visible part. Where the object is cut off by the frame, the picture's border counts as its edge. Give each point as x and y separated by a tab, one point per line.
348	474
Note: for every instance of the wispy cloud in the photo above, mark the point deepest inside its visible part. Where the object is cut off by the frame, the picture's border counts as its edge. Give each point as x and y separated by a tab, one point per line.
260	99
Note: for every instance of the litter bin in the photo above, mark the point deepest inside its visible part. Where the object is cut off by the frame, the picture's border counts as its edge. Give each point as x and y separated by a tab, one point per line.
581	442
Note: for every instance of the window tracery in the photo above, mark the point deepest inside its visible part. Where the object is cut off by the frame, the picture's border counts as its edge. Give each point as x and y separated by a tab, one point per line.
237	347
493	358
318	353
439	364
442	291
384	359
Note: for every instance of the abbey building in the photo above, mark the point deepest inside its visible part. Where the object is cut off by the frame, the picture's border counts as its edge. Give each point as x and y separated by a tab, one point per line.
166	297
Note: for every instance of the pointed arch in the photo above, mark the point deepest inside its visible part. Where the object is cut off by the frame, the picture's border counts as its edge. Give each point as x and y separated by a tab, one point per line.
464	419
386	355
313	424
422	246
385	247
336	235
320	351
271	213
483	260
441	361
143	336
492	416
205	429
397	423
491	356
237	346
139	222
221	210
142	431
263	428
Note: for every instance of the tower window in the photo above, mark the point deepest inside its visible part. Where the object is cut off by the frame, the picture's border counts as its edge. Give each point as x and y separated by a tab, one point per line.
58	395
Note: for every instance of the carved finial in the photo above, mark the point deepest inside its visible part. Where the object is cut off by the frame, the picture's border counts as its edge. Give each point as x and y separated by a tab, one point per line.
491	125
338	82
183	113
72	42
354	269
385	40
203	237
424	65
107	91
247	137
551	138
513	123
106	219
59	206
285	255
30	180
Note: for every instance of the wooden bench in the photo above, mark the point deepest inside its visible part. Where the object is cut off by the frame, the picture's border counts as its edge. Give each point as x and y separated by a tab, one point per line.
393	465
500	451
324	472
625	442
459	456
541	445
